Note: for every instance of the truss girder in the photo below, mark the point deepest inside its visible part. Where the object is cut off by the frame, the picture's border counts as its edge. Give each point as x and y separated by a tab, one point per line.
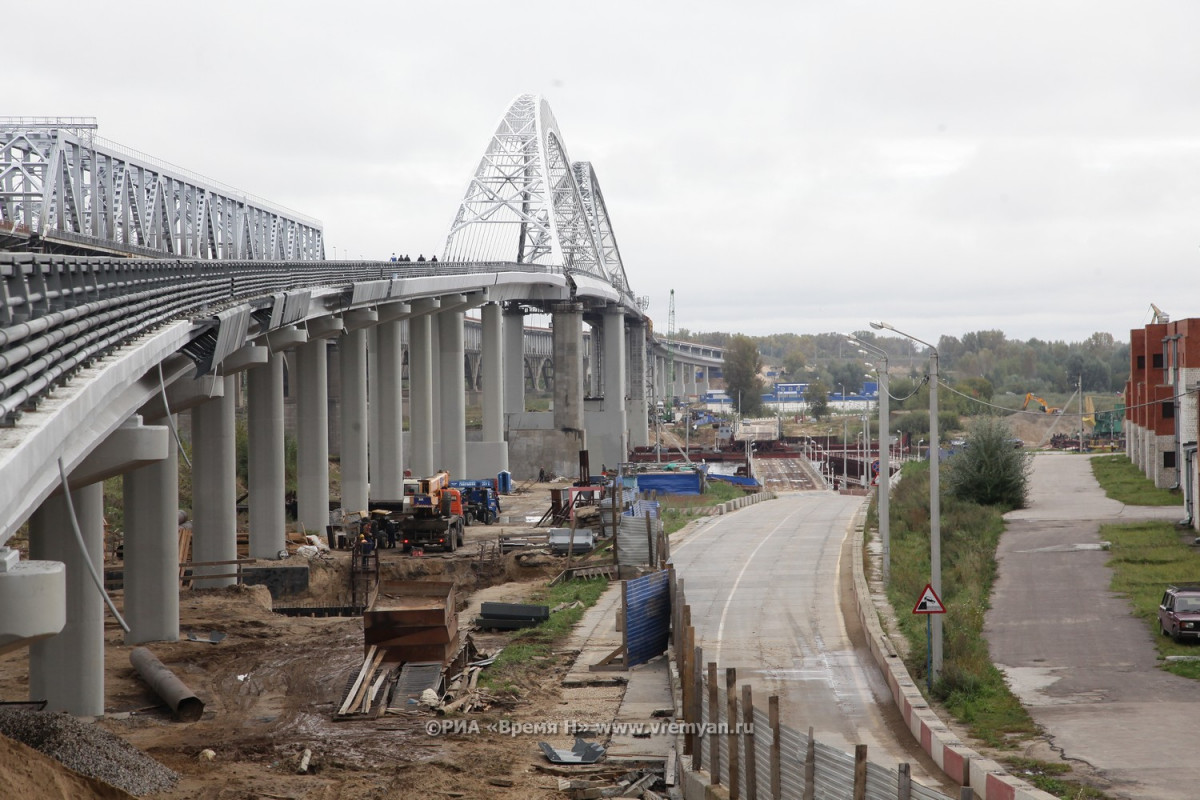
523	203
602	230
58	179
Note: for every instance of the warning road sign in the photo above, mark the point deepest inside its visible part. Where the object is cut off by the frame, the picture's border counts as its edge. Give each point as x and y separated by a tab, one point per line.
929	603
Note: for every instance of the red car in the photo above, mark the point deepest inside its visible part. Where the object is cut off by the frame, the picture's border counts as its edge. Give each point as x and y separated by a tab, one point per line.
1179	612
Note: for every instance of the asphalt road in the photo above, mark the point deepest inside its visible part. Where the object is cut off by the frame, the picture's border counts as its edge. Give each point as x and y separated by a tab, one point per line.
1073	652
766	587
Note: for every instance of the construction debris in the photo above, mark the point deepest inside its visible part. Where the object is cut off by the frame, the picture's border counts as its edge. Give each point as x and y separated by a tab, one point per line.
647	783
510	616
584	752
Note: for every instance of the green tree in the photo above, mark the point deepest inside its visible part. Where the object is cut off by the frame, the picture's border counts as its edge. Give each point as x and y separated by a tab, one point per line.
816	394
741	369
990	471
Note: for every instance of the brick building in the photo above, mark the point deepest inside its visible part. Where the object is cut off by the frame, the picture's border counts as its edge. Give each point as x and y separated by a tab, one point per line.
1162	414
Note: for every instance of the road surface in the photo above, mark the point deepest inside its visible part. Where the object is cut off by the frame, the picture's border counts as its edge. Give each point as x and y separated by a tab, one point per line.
766	586
1071	648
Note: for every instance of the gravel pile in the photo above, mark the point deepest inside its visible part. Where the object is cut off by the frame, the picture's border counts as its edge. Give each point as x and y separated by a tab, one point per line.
88	749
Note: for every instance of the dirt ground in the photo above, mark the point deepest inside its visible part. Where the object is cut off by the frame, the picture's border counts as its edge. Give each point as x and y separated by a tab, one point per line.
271	688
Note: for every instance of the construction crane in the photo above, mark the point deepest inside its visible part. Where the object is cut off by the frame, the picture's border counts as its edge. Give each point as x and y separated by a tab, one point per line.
1159	317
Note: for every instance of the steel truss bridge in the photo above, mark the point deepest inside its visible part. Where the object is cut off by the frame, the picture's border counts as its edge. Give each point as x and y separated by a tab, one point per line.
532	230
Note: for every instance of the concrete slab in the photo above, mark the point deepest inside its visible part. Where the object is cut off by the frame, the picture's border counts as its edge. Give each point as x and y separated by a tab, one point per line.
596	637
635	733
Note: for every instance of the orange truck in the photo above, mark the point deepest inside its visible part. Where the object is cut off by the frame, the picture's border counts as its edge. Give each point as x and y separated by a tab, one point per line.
430	515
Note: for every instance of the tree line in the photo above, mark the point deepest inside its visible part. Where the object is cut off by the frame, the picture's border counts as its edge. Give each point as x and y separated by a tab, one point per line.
985	362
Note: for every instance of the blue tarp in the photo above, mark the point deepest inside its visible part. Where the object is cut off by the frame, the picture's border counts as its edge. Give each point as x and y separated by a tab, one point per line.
736	480
670	482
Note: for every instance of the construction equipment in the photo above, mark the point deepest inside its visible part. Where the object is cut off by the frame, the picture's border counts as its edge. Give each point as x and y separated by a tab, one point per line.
481	499
429	515
1046	407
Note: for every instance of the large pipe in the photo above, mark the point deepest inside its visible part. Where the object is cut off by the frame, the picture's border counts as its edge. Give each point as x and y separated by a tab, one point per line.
187	707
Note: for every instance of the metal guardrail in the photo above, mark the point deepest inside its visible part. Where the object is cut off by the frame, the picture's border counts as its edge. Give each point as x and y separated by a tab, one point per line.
58	314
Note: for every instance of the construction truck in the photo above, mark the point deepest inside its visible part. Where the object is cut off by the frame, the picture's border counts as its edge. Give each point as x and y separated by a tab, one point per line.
1046	407
429	515
481	499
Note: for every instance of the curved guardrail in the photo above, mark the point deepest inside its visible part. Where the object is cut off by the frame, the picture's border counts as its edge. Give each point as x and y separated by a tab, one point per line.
59	313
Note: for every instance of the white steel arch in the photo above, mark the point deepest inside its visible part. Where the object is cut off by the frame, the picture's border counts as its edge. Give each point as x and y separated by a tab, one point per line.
523	203
602	230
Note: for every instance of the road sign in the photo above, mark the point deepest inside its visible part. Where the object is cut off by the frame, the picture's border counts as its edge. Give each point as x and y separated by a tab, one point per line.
929	603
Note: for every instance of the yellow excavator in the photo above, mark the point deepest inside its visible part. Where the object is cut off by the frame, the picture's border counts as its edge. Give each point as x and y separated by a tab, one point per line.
1046	407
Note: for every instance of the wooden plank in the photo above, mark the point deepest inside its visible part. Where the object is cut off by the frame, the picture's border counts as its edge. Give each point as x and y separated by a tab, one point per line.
362	690
357	681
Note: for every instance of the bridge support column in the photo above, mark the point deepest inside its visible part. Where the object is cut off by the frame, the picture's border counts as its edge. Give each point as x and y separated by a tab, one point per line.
372	407
67	670
607	429
420	386
265	461
389	484
355	419
707	385
151	495
453	400
514	360
689	379
312	441
490	456
214	487
568	366
677	381
660	378
638	410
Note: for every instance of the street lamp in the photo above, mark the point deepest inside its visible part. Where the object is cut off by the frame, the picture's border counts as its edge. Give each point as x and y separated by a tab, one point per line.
885	459
935	505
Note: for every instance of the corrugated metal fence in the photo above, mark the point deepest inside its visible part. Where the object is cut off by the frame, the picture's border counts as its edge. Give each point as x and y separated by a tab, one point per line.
647	617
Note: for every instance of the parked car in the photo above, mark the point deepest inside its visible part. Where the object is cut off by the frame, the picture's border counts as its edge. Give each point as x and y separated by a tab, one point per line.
1179	612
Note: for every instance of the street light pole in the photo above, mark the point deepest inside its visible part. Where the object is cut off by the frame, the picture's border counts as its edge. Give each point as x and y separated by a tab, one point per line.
935	500
885	460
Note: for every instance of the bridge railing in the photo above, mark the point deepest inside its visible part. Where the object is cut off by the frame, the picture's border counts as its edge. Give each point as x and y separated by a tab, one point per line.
58	314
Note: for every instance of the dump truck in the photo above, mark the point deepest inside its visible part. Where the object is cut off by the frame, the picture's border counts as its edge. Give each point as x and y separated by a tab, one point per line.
430	514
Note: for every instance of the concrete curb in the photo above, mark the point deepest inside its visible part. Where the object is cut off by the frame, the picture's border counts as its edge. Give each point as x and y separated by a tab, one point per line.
988	779
749	500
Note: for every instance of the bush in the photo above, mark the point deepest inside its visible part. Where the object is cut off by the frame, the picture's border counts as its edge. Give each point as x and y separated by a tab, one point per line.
989	471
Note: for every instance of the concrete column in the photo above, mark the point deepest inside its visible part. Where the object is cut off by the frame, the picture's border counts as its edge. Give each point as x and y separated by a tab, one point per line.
639	407
660	377
453	401
435	349
615	444
265	462
312	441
707	385
372	424
492	373
67	670
568	366
389	484
152	550
354	469
420	393
214	487
514	360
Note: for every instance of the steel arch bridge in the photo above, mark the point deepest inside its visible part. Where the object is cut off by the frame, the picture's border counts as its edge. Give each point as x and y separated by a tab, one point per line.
528	203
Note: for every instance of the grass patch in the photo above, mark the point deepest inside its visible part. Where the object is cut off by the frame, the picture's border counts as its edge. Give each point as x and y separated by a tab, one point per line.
1050	777
1125	483
679	509
970	687
1145	557
532	648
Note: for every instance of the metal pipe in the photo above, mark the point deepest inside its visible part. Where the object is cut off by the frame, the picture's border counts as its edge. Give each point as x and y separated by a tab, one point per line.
185	704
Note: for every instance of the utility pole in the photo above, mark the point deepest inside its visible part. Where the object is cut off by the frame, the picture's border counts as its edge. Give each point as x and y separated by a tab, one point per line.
671	352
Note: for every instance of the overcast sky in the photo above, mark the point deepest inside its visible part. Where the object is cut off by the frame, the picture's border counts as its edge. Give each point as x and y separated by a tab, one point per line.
803	167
